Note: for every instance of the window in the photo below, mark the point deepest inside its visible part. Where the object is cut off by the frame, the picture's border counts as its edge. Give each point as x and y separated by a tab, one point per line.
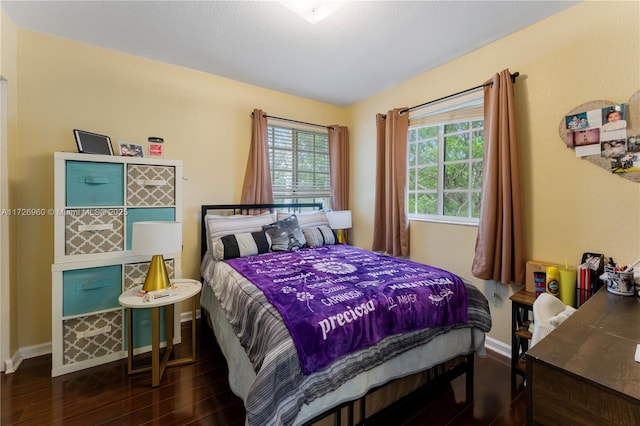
445	156
299	160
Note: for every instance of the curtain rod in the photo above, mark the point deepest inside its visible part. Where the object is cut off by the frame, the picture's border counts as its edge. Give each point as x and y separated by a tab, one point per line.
513	79
296	121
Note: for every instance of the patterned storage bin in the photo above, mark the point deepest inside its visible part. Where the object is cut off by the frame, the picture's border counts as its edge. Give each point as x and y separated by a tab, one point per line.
92	336
150	185
135	273
89	231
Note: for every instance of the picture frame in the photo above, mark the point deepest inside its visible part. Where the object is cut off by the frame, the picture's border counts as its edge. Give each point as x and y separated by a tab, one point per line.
129	149
92	143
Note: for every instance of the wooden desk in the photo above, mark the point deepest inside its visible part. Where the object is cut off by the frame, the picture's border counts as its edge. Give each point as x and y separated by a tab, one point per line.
584	372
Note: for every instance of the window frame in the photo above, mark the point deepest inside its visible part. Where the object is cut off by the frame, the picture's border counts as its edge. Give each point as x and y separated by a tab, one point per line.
296	195
468	108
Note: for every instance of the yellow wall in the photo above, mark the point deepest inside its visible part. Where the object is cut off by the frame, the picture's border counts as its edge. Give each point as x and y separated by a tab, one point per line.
589	52
571	205
9	72
205	121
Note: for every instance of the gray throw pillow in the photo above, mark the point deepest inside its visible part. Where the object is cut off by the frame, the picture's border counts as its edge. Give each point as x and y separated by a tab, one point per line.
285	234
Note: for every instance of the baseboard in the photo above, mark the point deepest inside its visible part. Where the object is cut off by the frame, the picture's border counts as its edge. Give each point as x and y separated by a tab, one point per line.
498	347
186	316
11	365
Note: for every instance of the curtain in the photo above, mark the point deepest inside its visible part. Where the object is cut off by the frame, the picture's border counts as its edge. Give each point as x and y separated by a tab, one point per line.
339	166
339	159
257	178
500	244
390	223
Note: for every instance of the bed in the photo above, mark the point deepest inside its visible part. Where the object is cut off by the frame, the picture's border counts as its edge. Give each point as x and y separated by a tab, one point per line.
256	262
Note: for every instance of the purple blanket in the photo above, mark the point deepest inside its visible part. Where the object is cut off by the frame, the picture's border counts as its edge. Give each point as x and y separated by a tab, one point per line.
338	299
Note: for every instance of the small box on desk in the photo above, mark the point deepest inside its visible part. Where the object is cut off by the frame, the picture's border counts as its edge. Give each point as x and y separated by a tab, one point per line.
539	269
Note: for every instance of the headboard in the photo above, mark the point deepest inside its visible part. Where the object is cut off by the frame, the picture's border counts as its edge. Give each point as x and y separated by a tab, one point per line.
231	209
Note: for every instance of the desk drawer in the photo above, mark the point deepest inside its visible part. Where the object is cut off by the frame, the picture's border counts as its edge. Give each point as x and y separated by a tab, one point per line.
91	289
135	273
94	184
92	336
150	186
89	231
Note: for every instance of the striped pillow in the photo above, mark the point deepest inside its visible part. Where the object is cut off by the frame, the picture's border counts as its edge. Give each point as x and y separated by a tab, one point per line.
219	226
308	219
241	245
320	236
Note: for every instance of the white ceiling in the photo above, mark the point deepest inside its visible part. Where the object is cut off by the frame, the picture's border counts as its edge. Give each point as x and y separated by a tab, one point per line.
362	49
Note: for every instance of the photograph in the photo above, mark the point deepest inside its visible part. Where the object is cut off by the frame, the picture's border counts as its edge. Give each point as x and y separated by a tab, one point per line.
586	137
633	143
614	119
613	149
577	121
128	149
585	142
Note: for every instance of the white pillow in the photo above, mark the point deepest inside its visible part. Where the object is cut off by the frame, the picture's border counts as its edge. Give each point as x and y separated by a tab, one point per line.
308	219
218	226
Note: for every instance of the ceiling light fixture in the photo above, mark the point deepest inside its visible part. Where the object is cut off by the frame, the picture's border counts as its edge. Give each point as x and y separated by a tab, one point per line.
311	10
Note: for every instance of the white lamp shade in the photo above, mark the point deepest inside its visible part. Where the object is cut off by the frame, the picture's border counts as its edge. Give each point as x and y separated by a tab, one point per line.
340	219
151	238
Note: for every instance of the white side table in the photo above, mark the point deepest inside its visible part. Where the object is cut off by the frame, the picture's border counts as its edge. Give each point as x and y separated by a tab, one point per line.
129	299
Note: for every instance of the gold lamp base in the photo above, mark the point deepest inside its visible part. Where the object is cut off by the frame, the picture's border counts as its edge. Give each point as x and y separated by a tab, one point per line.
341	236
157	276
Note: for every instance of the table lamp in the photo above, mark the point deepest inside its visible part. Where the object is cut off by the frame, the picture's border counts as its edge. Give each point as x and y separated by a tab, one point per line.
155	239
340	220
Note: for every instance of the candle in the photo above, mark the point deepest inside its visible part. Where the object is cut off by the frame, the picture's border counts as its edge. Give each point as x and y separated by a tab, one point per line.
568	286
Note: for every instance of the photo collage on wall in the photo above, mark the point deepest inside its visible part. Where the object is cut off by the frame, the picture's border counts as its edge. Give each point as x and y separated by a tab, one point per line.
603	132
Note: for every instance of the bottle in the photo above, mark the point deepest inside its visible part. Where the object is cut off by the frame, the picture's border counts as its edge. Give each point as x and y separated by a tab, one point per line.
553	281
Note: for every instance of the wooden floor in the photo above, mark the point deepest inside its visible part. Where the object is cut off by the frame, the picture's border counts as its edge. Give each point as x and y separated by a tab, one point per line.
199	394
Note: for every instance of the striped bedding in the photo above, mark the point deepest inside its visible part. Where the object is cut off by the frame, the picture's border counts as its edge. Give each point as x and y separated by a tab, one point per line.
280	388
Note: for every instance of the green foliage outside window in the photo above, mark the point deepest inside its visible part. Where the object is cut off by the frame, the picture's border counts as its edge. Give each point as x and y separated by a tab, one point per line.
445	170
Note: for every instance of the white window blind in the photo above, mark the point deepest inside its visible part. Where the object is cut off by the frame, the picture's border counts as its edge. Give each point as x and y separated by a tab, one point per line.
299	159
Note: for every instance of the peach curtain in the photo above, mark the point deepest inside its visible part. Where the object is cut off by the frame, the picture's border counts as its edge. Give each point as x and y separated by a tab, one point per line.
257	178
390	223
500	243
339	163
339	159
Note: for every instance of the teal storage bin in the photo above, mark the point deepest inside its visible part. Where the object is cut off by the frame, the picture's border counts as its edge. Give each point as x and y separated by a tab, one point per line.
142	327
91	289
94	184
153	214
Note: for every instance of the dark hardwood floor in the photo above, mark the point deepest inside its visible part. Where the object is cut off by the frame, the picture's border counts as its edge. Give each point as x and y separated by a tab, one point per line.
199	394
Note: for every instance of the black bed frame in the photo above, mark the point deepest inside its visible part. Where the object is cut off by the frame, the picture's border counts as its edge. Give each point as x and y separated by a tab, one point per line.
232	209
437	374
